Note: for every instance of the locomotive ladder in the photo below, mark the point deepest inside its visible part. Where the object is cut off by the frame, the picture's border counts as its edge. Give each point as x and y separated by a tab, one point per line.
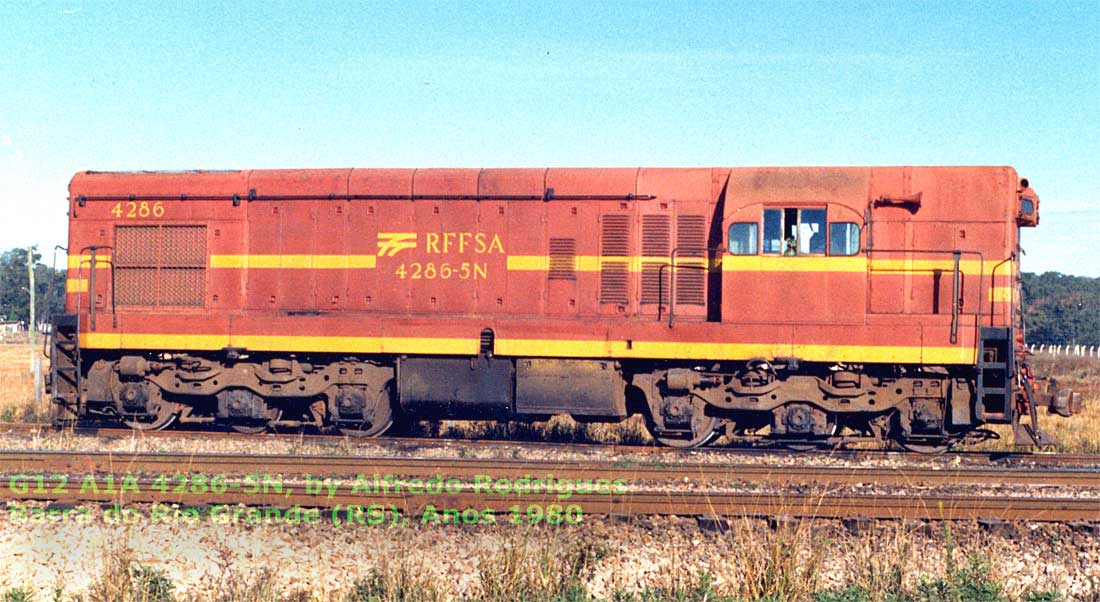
996	372
64	381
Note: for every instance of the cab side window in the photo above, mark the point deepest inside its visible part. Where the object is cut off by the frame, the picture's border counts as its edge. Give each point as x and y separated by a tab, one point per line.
793	231
773	231
811	232
743	238
843	238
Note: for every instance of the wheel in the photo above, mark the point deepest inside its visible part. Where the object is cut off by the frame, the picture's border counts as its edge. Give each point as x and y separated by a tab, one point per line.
164	414
704	429
380	420
800	446
253	428
816	442
375	407
934	446
245	411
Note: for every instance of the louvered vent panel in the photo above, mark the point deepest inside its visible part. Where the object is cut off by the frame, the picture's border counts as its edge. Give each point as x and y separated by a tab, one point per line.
160	265
136	245
563	259
613	282
691	236
691	245
656	237
614	275
616	236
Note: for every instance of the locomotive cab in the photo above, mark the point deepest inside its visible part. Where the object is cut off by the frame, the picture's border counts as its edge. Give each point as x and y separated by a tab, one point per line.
1028	212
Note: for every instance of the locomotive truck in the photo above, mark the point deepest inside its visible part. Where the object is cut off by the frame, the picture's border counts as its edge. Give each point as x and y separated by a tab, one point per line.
804	305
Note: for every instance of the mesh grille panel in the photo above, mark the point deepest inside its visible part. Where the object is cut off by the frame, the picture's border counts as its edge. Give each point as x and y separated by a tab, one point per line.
160	265
563	259
183	245
182	286
135	286
136	245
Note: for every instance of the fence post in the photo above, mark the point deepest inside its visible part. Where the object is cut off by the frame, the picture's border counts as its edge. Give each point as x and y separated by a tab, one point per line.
32	328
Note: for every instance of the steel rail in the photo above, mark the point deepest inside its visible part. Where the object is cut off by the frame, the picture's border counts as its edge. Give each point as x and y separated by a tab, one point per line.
682	503
632	472
415	443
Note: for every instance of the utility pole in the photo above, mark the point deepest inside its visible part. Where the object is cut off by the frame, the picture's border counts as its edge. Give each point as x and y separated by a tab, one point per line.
36	362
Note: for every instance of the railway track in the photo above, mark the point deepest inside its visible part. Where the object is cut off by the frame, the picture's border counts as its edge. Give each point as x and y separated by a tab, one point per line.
687	503
13	462
413	444
54	477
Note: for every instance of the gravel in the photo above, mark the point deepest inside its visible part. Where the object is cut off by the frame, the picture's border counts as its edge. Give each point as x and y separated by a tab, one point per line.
633	553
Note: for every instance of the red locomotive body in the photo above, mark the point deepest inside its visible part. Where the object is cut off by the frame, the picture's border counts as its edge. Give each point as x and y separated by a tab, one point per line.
806	303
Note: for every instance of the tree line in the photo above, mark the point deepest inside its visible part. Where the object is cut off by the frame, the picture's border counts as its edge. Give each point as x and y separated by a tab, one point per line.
1059	309
49	286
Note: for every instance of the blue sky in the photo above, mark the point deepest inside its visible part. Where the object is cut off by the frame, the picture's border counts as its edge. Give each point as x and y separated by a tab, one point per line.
225	85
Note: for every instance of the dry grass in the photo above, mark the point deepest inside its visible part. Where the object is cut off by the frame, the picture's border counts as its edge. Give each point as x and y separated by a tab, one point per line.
1079	433
791	562
559	428
17	384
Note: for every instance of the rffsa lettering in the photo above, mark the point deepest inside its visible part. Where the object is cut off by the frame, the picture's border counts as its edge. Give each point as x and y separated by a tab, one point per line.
480	243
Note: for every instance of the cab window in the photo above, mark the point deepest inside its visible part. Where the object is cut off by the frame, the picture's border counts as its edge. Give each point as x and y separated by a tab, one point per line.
811	231
773	231
743	238
843	238
794	231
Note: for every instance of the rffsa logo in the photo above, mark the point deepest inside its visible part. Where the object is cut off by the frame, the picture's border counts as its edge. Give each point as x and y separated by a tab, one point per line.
392	243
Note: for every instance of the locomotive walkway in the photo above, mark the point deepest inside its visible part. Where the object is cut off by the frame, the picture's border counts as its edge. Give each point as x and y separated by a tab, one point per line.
688	489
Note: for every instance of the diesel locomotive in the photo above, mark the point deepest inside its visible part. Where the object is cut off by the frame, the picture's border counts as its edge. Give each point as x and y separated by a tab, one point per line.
804	305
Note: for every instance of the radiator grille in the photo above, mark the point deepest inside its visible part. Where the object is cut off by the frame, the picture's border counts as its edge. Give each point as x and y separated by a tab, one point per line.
182	286
183	246
135	286
160	265
136	245
563	259
615	242
691	275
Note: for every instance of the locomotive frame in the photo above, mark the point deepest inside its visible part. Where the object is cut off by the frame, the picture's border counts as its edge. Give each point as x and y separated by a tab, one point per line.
809	306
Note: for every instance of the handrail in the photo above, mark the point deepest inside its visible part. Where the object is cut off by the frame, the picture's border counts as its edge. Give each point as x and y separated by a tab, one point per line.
93	250
672	276
956	301
993	283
